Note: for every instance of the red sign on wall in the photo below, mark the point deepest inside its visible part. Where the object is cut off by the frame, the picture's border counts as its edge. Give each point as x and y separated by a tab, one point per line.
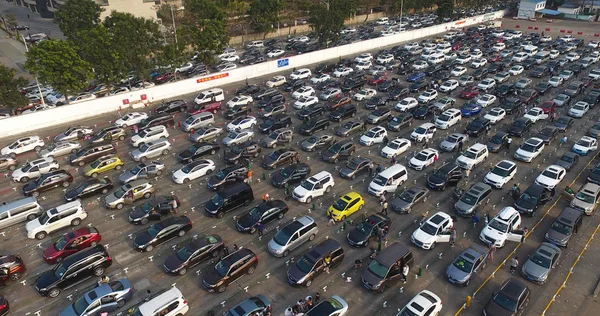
211	78
125	101
460	22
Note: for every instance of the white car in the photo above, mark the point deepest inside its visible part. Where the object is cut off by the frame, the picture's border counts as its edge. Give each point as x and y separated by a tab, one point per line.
411	45
516	70
185	67
501	77
424	159
476	54
554	54
23	145
364	94
536	114
463	59
434	230
502	172
37	108
230	58
478	63
227	51
384	59
131	119
375	135
59	149
238	137
142	85
520	57
449	85
320	78
585	145
572	56
419	64
302	73
69	214
523	83
377	70
486	100
304	102
348	30
566	74
423	132
530	149
579	109
34	169
551	176
304	91
342	72
458	71
487	84
275	53
594	44
473	156
502	228
364	65
406	104
395	148
276	81
429	47
448	118
426	303
241	123
556	81
330	93
363	57
314	186
239	100
498	47
546	38
495	115
193	171
45	91
427	96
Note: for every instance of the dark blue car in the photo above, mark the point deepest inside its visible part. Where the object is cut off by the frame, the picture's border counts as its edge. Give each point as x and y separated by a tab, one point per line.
415	76
470	109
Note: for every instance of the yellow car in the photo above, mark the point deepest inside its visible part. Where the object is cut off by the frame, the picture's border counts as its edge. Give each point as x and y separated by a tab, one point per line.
103	164
345	206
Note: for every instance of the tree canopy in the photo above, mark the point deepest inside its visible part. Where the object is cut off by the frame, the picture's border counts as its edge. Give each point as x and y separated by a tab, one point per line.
10	94
264	15
204	28
328	18
77	15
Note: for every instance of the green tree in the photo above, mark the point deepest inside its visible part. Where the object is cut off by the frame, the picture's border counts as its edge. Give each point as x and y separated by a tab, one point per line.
10	94
205	28
96	47
77	15
264	15
445	9
58	64
327	19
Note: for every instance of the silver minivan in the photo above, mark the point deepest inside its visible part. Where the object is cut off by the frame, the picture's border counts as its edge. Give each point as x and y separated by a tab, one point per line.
586	199
14	212
197	121
293	236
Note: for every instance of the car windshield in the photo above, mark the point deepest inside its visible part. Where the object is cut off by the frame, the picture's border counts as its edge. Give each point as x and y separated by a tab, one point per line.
135	170
394	145
282	237
469	154
232	135
185	253
340	204
221	175
275	155
584	143
528	147
352	165
562	121
540	260
60	270
468	199
420	130
421	156
407	196
370	134
429	229
496	139
120	193
463	265
80	305
27	167
498	225
364	227
500	171
44	218
217	199
505	302
529	198
96	163
305	265
154	230
378	269
444	117
582	196
222	268
307	185
550	174
561	228
60	243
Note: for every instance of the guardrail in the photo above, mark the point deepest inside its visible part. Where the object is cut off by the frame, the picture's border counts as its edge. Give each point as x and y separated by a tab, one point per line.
76	112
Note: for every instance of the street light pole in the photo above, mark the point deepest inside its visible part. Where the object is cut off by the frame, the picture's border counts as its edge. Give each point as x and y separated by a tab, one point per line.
401	8
174	28
36	78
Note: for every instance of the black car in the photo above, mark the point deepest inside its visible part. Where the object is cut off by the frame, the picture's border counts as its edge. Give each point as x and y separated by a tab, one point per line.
293	85
503	90
237	172
324	68
230	269
355	167
237	111
478	127
592	98
248	89
547	134
163	119
83	265
248	149
376	102
367	229
310	265
274	122
267	94
352	84
313	125
154	209
563	123
398	122
398	93
543	87
534	197
422	112
343	112
539	72
48	181
279	157
313	110
496	67
497	142
290	174
387	86
89	188
273	100
264	213
171	107
511	105
192	253
419	86
511	299
197	151
162	232
520	126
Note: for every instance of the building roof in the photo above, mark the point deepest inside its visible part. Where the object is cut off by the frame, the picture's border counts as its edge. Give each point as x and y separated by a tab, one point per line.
535	1
549	12
570	5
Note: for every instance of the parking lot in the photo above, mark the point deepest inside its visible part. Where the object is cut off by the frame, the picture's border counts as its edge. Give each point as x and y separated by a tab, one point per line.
145	270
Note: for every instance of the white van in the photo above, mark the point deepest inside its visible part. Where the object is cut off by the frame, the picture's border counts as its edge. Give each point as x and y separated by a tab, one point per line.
388	180
255	44
383	21
436	58
212	95
531	50
542	57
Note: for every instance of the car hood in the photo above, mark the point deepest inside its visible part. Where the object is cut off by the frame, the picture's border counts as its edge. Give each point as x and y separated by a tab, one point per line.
564	164
68	311
268	161
246	221
138	213
185	154
463	208
278	180
456	273
491	145
295	273
18	173
399	204
45	280
214	181
346	171
142	239
173	262
211	278
534	270
50	252
370	278
496	310
357	236
422	236
33	225
557	236
109	199
127	176
447	144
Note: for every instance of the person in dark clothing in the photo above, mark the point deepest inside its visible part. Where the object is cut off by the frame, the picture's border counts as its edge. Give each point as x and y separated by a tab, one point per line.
260	227
460	146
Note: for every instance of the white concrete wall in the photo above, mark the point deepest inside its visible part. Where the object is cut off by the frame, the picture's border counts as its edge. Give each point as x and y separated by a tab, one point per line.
73	113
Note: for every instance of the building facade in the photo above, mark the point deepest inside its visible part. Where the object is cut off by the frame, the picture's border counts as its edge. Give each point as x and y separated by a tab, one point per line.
527	8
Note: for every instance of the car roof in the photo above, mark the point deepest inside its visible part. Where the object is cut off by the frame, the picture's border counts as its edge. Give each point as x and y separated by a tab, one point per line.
478	188
513	288
505	164
392	254
326	246
477	147
535	189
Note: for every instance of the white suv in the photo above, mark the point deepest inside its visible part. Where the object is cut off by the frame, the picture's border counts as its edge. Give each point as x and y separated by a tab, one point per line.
448	118
502	172
530	149
503	227
474	156
436	229
34	169
314	186
23	145
71	213
149	134
171	301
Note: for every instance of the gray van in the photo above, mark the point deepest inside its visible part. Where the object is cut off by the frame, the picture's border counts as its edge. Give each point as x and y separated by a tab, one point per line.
327	254
197	121
26	209
386	268
564	226
470	201
293	236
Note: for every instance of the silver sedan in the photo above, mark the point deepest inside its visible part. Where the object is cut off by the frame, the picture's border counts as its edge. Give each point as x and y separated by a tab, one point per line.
206	133
59	149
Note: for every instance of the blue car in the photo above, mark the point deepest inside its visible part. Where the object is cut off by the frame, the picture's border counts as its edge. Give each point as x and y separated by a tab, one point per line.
106	297
470	109
415	76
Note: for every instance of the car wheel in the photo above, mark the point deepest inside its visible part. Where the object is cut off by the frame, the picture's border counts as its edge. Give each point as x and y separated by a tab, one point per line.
220	215
143	159
81	163
52	169
212	152
147	195
12	167
181	233
75	222
120	303
308	283
246	202
121	138
165	152
182	271
95	175
159	172
343	218
285	253
335	160
308	199
93	244
186	180
149	248
221	289
53	292
31	217
119	206
40	235
432	246
104	191
37	148
312	237
13	155
15	276
24	179
35	194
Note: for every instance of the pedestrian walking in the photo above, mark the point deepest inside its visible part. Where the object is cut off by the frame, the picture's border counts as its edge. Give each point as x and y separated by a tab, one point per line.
331	221
265	197
317	298
249	176
405	270
474	220
508	142
385	140
309	302
460	146
467	174
260	227
525	231
552	116
358	265
491	252
297	159
435	159
563	140
364	127
225	251
384	209
452	237
514	263
135	129
393	161
382	199
378	169
425	143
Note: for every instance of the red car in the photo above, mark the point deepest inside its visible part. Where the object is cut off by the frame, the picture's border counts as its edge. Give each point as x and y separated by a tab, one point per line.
206	107
494	58
4	308
164	78
11	268
469	92
377	80
71	243
456	46
548	106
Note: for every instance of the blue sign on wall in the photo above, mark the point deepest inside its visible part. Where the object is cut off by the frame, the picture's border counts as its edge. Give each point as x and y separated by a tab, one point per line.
283	62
